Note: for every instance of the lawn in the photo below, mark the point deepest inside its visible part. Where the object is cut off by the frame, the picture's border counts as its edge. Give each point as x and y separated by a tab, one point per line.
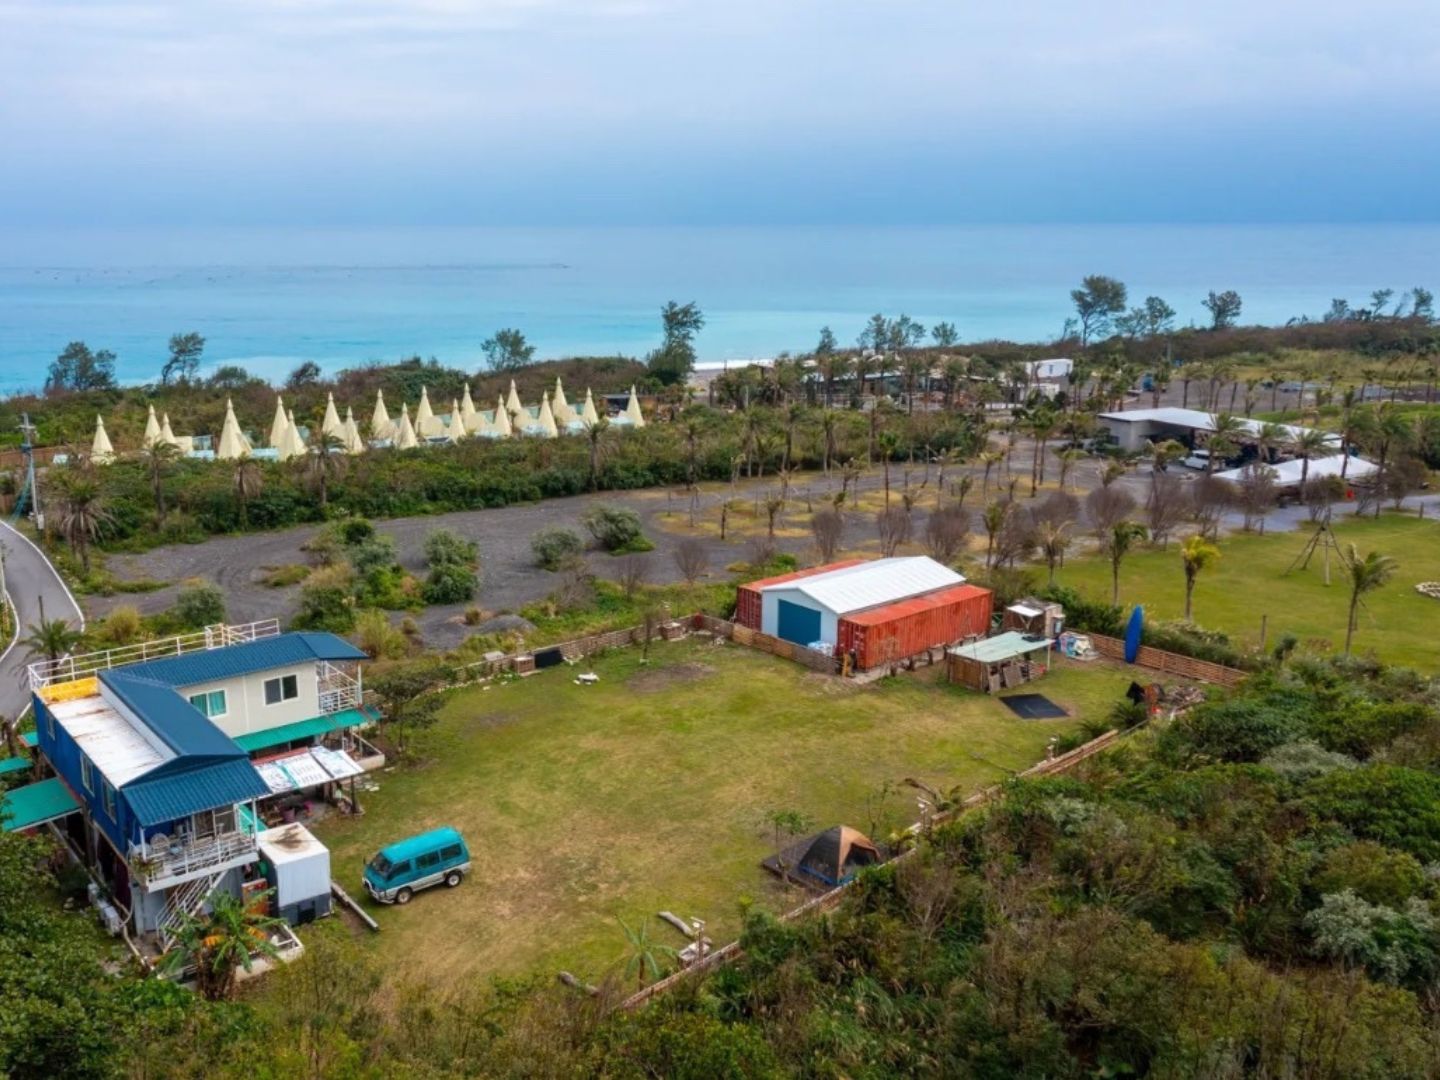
1250	582
645	792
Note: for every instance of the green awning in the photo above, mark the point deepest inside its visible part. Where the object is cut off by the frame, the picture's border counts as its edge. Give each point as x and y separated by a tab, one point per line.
30	738
301	729
14	764
1001	647
35	804
249	823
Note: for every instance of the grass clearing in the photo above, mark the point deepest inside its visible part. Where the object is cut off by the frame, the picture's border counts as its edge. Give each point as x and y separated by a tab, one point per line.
1250	581
646	792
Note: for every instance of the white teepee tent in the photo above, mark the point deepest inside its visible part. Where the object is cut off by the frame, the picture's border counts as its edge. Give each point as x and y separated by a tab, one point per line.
468	416
502	425
291	444
152	429
332	424
588	415
559	406
232	444
632	409
546	420
455	429
512	403
381	426
101	451
354	444
427	424
279	424
405	437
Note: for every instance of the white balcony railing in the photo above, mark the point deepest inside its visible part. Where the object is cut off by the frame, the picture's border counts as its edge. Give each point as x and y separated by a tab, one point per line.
338	690
69	668
161	859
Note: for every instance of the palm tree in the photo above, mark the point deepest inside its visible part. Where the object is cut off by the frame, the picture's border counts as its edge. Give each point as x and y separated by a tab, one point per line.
829	424
1163	453
1042	427
1389	431
1268	439
1054	538
51	639
1307	443
993	518
1122	538
83	515
159	456
1366	575
1068	460
224	941
327	462
1197	554
1224	440
989	458
643	955
794	416
595	436
248	480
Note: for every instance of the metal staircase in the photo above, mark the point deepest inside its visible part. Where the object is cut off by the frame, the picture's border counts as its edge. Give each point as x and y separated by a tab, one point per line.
182	901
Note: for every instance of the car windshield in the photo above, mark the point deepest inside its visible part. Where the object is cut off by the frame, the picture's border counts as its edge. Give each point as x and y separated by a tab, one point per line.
381	866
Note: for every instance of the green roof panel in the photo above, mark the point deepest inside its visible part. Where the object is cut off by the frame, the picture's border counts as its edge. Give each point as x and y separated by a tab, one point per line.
14	764
301	729
35	804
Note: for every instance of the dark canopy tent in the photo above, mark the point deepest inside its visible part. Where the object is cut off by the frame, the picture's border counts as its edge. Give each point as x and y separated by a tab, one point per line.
827	859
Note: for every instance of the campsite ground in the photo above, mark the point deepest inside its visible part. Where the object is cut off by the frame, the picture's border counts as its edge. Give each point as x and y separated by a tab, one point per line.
646	792
1250	581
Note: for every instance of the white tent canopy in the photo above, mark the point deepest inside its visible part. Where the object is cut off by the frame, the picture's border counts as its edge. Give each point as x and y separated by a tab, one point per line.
587	411
381	426
405	437
332	424
468	415
152	428
100	449
232	443
1287	473
279	424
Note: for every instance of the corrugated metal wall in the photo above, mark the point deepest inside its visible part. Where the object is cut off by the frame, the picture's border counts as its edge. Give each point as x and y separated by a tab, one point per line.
747	597
912	626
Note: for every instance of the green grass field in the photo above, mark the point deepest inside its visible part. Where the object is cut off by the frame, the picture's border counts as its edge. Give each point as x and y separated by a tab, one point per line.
646	792
1250	581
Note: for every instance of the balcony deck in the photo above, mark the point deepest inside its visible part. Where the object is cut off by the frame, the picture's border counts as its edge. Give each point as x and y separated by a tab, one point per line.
179	860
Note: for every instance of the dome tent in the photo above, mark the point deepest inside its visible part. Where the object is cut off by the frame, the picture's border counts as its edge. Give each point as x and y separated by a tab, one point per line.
826	859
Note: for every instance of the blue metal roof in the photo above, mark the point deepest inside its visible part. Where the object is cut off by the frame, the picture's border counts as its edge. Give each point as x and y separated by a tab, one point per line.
418	845
163	795
209	665
184	728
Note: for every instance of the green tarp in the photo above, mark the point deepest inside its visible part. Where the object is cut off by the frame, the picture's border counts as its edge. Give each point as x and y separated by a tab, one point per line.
35	804
1000	648
301	729
14	764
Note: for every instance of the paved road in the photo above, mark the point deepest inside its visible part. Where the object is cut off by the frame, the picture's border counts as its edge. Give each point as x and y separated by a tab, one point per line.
29	577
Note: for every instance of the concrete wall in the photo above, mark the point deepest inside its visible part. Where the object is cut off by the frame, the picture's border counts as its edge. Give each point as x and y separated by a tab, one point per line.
246	710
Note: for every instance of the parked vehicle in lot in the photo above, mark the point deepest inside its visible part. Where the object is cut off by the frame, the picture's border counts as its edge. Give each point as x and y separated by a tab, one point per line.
1198	459
401	870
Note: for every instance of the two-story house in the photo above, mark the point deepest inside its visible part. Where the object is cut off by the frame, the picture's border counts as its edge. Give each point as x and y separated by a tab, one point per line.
155	756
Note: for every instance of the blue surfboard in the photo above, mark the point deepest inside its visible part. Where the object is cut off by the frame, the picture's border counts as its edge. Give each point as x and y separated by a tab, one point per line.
1132	634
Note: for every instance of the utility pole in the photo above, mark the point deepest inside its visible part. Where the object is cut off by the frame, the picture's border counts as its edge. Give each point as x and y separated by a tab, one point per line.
27	447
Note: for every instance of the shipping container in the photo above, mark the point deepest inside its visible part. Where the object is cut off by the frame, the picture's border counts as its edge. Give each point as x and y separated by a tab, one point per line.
747	597
894	631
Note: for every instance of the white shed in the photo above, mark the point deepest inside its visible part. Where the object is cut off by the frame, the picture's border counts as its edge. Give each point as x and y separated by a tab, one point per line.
298	871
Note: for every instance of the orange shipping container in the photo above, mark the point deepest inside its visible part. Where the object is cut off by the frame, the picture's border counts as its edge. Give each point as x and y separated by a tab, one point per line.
903	629
747	597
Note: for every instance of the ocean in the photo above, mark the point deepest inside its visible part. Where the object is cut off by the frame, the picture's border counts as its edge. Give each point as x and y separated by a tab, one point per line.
269	299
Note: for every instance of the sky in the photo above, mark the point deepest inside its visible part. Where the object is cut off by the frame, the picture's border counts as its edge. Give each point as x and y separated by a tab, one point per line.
558	112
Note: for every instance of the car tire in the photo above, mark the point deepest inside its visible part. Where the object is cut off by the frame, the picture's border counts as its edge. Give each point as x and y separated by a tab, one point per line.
403	896
453	878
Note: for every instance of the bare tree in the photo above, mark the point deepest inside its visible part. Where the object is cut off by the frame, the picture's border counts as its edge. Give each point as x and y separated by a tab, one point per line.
1106	507
632	571
1052	525
828	528
692	559
1319	494
1167	506
1209	501
576	586
893	525
946	531
1015	539
760	550
1255	493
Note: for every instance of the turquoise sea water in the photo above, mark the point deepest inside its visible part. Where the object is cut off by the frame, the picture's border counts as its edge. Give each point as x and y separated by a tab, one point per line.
269	298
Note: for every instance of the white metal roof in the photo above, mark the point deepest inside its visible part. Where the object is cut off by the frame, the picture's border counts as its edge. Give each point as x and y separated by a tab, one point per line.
1287	473
1194	419
870	584
289	843
112	743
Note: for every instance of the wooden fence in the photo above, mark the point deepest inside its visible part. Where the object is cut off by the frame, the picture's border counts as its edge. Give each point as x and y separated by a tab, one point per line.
1168	662
786	650
828	901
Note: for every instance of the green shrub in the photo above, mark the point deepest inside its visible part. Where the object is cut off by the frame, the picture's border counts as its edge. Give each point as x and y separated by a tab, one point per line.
278	577
353	531
1372	871
450	583
552	547
199	604
1241	729
1393	805
445	547
615	528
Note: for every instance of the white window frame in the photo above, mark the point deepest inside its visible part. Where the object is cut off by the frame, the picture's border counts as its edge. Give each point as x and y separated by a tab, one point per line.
208	695
282	699
107	796
87	774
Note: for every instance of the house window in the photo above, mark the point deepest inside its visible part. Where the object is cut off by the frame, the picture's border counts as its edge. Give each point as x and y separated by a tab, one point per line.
285	688
212	704
109	795
87	774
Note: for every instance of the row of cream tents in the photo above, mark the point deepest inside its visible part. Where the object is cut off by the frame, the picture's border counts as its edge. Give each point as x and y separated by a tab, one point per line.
287	439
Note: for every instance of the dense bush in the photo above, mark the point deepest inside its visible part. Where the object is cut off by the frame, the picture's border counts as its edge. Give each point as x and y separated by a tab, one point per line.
1393	805
554	546
615	528
453	578
200	604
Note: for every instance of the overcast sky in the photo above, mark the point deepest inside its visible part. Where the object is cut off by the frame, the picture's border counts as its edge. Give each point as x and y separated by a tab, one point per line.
658	111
